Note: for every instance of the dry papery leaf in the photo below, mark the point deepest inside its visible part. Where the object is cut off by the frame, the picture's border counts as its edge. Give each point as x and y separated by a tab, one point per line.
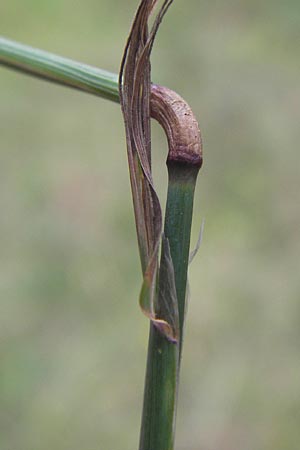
159	305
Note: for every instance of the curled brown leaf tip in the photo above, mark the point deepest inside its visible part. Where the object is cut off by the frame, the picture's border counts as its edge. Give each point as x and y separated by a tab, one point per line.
180	125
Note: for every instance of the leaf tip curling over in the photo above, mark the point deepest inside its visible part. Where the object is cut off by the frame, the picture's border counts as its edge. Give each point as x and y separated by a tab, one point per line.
180	125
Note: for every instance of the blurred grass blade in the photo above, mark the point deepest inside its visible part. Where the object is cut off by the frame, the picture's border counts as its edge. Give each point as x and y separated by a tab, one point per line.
59	70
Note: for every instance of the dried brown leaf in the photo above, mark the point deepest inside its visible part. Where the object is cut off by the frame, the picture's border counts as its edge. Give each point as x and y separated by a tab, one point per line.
135	91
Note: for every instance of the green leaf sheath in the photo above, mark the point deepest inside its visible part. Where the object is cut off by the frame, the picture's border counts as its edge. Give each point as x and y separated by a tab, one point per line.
178	222
59	70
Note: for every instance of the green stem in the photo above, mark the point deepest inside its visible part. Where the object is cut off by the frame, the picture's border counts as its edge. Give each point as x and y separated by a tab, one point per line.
160	393
178	222
60	70
163	363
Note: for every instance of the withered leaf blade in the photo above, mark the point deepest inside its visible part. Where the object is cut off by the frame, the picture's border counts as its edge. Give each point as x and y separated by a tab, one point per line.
167	305
135	89
161	306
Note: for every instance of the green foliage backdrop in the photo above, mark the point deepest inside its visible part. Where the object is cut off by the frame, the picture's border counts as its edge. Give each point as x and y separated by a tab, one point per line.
72	339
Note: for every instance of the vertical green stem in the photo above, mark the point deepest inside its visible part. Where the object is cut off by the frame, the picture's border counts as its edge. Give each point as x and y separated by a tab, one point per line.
158	419
162	373
178	222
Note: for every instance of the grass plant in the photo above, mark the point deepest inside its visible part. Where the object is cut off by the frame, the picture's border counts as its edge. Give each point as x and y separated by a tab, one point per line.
163	292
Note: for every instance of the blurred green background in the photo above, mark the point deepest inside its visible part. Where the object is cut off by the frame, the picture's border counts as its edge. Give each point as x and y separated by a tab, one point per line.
72	338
